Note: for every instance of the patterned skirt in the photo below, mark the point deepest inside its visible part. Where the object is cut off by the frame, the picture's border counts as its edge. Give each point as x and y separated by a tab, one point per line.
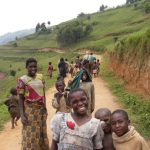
34	134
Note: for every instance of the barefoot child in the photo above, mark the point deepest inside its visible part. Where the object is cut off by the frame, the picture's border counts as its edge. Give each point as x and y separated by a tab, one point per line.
125	137
59	102
50	69
104	114
13	106
76	130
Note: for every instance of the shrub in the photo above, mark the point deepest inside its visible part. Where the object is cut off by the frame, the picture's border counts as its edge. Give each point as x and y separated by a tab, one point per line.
13	73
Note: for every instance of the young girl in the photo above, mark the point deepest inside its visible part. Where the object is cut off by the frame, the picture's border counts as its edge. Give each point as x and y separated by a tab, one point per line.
13	106
59	102
33	108
87	85
50	69
125	137
83	80
76	130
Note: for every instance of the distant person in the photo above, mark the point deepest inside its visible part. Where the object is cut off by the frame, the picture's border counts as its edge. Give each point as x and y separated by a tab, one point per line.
13	107
98	64
104	114
32	104
86	56
95	69
67	65
125	137
62	68
50	69
71	68
76	130
76	70
60	101
91	60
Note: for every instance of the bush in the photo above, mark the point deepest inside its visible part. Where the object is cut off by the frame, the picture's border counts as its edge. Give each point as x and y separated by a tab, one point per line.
13	73
147	7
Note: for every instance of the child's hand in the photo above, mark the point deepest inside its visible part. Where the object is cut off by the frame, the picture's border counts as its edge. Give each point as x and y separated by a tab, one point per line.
24	120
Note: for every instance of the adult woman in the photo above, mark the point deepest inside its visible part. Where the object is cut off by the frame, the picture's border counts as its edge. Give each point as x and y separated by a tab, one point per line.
32	108
62	67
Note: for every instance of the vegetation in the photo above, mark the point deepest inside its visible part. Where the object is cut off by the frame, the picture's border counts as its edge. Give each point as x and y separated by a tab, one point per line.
73	32
135	47
137	107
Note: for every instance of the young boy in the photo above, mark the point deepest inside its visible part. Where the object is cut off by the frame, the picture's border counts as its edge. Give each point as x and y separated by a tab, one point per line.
50	69
104	114
59	102
13	106
125	137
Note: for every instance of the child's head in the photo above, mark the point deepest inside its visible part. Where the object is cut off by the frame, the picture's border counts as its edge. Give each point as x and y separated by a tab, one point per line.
31	65
86	77
104	114
50	63
97	60
71	62
120	122
78	100
13	91
60	86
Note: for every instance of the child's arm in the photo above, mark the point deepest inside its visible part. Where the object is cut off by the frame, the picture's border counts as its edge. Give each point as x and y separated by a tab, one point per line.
54	145
55	102
56	128
7	102
97	139
93	98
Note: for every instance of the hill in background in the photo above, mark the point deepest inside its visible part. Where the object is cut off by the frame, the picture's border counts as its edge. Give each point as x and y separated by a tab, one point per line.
4	39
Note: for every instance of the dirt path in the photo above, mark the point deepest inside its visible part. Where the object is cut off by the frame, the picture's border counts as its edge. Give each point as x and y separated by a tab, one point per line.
2	75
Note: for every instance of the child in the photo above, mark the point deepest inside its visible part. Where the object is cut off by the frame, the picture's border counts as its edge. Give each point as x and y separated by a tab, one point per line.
13	107
98	64
95	69
71	68
76	70
59	102
50	69
104	114
125	137
76	130
87	85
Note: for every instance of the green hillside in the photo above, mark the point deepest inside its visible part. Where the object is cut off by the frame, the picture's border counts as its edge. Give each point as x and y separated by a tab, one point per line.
107	27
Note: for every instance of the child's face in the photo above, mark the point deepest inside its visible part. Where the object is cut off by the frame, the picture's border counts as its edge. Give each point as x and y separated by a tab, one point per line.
84	76
119	124
60	87
32	69
79	102
106	118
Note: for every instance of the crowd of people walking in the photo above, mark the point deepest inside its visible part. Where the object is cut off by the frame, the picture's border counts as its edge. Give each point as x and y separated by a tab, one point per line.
73	127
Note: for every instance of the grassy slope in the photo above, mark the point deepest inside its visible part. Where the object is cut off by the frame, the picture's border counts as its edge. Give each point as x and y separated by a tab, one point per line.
120	21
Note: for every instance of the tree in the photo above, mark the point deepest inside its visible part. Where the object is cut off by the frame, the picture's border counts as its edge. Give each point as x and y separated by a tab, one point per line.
102	8
38	28
43	27
48	22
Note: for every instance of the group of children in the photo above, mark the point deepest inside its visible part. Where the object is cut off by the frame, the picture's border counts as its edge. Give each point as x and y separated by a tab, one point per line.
76	130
